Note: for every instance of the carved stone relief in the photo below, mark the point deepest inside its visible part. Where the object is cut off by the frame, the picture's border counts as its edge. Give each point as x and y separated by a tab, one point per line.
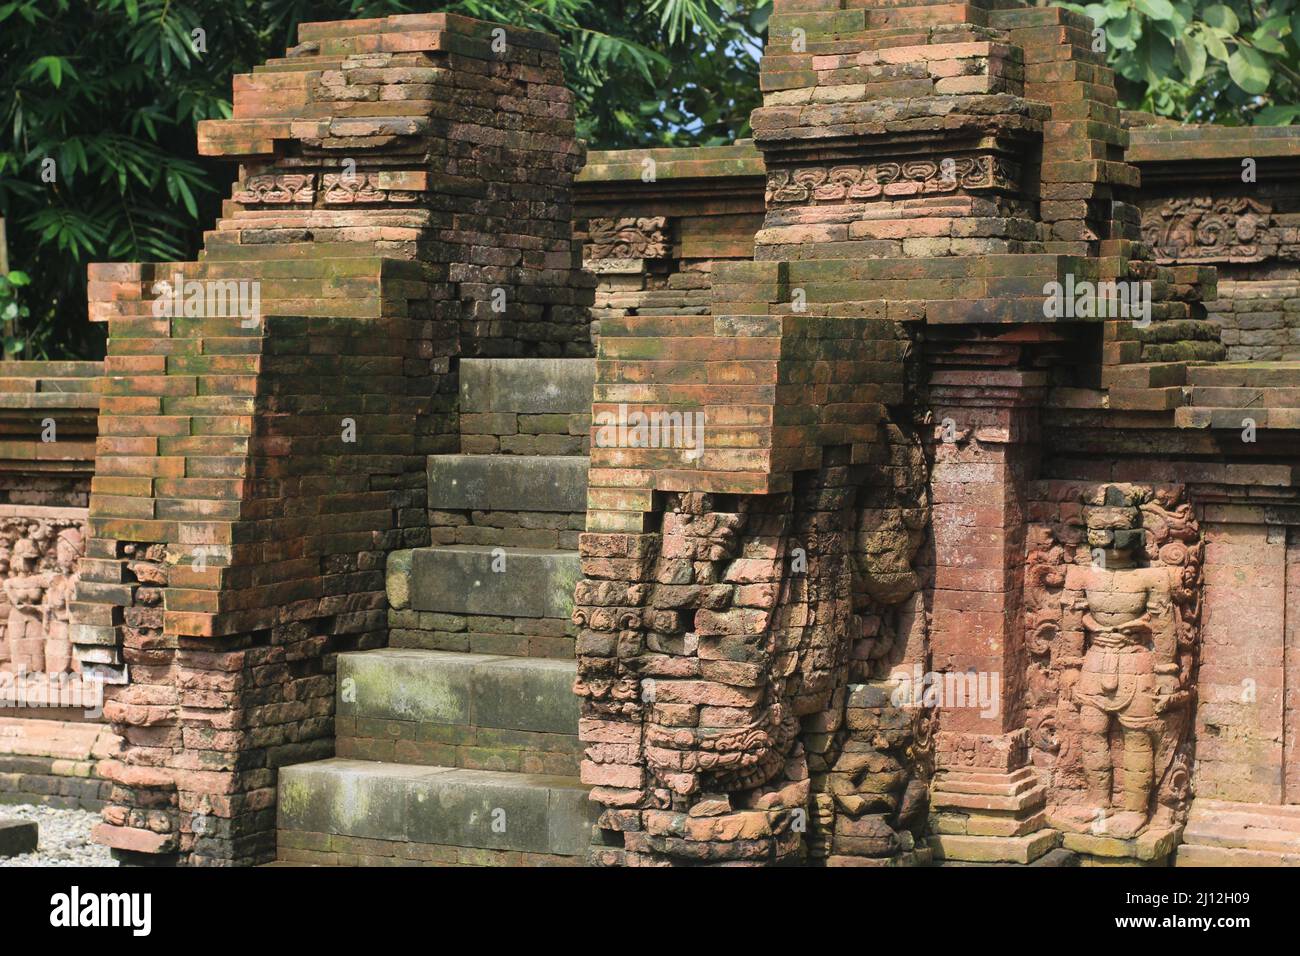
1112	628
345	190
277	189
1208	229
38	576
907	178
732	670
627	238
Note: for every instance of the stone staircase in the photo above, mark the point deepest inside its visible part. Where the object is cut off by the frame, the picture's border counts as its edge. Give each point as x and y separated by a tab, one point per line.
1221	833
457	744
1225	394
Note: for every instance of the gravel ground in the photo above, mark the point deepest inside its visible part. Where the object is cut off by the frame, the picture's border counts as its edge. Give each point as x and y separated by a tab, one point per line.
64	840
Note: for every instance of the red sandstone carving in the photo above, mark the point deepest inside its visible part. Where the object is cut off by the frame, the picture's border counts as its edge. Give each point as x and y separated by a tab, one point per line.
39	561
1206	229
1113	608
639	238
913	177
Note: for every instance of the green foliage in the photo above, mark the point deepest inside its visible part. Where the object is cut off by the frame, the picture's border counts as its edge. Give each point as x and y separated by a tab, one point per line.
13	313
1204	61
111	91
650	72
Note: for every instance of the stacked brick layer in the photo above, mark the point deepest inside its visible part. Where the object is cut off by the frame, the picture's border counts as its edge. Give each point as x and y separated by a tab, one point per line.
404	201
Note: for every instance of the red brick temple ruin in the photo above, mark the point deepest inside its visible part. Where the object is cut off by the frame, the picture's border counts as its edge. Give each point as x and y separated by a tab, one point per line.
913	484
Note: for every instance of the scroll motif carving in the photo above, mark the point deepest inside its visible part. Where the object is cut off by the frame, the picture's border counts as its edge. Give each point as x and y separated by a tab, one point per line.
1113	592
1206	229
629	238
277	189
907	178
349	189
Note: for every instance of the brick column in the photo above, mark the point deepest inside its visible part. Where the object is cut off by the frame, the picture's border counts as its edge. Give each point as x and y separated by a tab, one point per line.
1247	658
987	803
403	200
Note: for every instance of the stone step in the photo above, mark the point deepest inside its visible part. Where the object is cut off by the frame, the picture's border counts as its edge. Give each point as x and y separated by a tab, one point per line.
344	812
1222	856
1258	828
508	483
1245	397
478	711
479	579
1245	375
538	386
1237	418
1230	836
1282	814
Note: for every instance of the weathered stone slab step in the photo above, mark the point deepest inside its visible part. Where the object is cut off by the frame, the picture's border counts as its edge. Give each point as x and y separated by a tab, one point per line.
1231	836
478	579
445	687
479	711
1223	856
508	482
976	849
1222	819
1245	375
527	386
1224	833
347	811
1245	396
1237	418
1245	816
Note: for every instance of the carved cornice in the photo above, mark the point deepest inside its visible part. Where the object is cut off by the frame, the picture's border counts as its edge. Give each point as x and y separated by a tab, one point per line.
277	189
343	189
628	238
1210	229
907	178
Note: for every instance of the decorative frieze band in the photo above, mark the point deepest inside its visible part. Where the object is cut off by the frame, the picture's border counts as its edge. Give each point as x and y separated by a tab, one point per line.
277	189
907	178
1209	229
627	238
338	189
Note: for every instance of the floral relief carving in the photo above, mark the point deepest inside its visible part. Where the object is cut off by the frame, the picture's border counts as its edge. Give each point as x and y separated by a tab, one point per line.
627	238
1208	229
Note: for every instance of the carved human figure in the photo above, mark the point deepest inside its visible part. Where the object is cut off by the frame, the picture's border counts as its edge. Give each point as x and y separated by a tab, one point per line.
1129	677
58	596
6	663
25	588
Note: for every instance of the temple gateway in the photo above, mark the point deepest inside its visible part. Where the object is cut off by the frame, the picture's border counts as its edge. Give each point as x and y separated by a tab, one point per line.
913	484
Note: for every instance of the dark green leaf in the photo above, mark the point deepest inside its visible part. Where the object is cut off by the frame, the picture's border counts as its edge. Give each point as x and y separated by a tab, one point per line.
1190	53
1249	70
1221	17
1155	9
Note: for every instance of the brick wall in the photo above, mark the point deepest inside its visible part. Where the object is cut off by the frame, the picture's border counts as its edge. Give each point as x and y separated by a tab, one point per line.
403	201
1260	318
656	221
1242	681
52	739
